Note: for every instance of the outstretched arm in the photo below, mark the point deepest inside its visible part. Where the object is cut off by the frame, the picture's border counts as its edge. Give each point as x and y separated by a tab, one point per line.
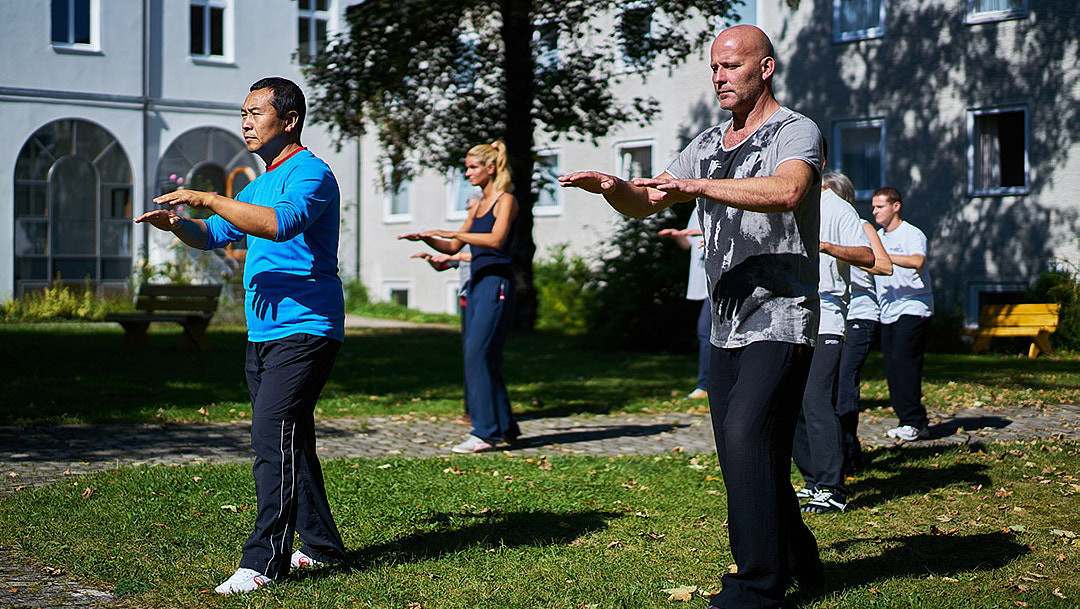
625	197
909	261
782	191
857	255
882	262
191	232
254	220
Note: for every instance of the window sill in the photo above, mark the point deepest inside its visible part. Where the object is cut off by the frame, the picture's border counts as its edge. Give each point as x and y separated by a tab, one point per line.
82	49
1000	192
217	62
994	16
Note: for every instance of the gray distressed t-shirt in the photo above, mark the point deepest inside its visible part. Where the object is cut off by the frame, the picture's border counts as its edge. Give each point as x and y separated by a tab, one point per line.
761	268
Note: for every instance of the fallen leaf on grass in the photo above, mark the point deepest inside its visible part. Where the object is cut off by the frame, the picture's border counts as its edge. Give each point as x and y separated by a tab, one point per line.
229	508
1063	533
1057	592
614	544
682	593
87	493
456	471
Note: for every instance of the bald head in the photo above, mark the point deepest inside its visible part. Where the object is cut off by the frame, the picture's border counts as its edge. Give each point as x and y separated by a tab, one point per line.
748	40
742	64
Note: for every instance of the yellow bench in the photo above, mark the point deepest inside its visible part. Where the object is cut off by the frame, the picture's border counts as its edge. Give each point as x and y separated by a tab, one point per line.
1037	321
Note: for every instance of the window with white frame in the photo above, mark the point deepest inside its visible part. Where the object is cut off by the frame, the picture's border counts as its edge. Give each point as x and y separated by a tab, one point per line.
75	24
209	29
981	11
458	192
546	171
397	203
635	24
396	292
858	152
997	150
858	19
634	159
313	25
546	44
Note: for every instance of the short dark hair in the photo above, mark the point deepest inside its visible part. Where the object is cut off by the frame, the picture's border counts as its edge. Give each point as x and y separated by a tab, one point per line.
891	194
286	97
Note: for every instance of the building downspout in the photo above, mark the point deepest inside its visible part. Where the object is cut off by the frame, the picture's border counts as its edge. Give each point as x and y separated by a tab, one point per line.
145	102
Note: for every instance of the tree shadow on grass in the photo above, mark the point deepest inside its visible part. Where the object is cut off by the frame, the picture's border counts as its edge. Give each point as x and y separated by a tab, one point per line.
890	475
920	555
481	531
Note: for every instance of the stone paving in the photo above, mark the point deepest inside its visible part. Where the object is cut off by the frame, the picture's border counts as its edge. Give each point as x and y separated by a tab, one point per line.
43	455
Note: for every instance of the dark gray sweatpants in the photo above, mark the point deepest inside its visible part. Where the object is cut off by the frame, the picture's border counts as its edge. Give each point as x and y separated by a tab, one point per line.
285	378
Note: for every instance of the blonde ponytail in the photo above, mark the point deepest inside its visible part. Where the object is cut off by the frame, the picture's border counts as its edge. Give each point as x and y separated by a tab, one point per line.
495	153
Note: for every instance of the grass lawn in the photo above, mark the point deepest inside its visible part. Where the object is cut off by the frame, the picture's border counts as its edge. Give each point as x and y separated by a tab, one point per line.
79	373
964	527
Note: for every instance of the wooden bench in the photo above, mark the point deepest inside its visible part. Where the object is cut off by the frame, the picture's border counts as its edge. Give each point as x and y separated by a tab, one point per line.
191	306
1037	321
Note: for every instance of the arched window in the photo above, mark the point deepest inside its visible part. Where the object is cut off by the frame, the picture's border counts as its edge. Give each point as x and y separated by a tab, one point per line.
207	159
72	207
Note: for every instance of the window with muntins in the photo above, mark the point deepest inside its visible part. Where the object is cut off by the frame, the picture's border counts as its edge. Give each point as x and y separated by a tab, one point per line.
546	171
858	19
635	160
72	207
73	23
208	29
858	152
981	11
458	192
997	151
313	27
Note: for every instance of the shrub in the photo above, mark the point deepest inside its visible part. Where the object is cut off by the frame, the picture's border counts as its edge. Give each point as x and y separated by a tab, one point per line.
641	287
566	290
61	302
1062	286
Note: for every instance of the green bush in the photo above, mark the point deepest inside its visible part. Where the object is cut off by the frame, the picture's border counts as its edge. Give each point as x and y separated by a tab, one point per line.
566	289
62	302
1063	287
641	287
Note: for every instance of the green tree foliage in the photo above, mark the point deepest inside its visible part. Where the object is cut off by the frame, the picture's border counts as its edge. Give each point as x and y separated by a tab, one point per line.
434	77
1063	287
641	295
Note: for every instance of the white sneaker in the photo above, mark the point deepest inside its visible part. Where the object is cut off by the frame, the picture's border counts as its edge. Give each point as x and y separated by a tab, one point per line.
907	433
806	492
244	580
299	560
473	445
698	394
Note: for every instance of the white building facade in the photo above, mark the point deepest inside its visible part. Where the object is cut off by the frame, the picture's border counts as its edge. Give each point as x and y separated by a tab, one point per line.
112	102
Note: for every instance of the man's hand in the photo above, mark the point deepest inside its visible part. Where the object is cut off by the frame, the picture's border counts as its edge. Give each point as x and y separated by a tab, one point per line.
666	184
192	198
589	181
412	237
161	219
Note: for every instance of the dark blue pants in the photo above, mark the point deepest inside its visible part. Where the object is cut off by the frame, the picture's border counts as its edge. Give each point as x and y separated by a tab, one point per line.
755	394
818	448
859	336
487	326
284	379
903	343
704	336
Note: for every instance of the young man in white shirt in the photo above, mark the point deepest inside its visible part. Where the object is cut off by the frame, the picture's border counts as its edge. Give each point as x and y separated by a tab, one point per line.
907	306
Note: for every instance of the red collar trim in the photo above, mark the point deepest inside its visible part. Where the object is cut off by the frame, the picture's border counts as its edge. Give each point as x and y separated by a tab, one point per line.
278	164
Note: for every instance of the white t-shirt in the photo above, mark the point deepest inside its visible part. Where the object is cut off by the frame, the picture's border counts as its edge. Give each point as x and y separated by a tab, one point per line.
863	304
906	291
695	284
840	225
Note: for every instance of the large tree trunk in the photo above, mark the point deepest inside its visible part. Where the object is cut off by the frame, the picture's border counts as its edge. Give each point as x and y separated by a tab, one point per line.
518	70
